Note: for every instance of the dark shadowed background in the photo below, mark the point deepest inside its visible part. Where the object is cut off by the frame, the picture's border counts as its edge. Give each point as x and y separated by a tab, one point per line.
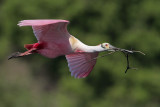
37	81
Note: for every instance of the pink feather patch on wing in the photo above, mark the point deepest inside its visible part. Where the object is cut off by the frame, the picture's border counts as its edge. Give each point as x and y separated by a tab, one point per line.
52	34
81	64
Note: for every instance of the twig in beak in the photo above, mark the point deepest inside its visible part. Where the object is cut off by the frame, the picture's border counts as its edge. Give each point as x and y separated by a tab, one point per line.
127	52
128	67
138	52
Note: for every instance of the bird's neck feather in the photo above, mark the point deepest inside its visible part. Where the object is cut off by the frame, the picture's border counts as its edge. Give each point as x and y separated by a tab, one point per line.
78	45
87	48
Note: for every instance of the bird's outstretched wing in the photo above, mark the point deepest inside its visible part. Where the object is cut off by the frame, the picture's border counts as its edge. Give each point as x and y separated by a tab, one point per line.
52	33
47	30
80	64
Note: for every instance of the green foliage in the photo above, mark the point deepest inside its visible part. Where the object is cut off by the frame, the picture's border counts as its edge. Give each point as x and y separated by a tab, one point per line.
36	81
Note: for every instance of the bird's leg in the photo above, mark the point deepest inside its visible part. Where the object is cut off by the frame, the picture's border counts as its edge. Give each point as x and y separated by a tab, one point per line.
31	49
19	54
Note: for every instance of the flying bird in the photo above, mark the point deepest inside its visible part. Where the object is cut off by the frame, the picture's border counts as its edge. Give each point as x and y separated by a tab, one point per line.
54	40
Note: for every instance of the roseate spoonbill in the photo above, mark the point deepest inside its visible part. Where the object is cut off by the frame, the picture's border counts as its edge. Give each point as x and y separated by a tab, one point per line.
54	40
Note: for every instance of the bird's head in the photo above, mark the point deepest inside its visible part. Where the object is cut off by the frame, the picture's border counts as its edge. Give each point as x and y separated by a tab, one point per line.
108	47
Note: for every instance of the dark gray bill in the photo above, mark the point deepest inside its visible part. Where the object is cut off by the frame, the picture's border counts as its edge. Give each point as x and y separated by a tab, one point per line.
113	48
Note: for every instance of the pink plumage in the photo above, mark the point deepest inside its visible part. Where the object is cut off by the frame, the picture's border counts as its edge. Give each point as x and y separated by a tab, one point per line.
54	40
80	64
40	22
52	34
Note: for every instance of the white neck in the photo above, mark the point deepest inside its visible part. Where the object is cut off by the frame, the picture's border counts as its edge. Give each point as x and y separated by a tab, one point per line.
78	45
87	48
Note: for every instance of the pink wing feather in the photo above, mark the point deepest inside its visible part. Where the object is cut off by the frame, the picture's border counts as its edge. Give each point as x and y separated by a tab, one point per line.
80	64
53	34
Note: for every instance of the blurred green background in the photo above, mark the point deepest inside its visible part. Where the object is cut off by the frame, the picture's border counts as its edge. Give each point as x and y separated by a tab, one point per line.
37	81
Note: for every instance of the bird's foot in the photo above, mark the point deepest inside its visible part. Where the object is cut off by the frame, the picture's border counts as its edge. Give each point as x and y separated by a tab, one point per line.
14	55
19	54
